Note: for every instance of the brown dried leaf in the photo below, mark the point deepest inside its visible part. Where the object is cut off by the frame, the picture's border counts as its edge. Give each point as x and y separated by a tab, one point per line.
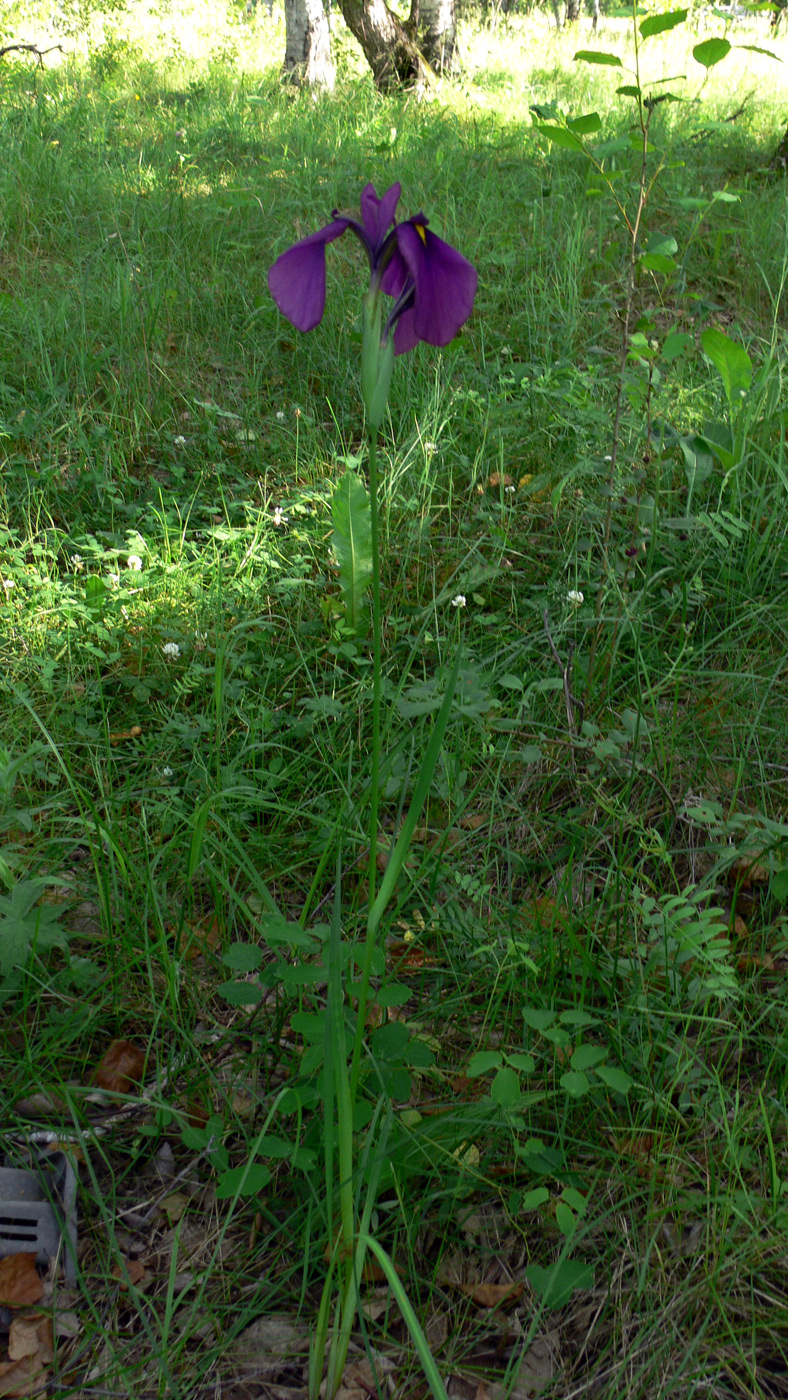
120	1067
174	1205
492	1295
20	1284
24	1379
746	872
31	1335
135	1270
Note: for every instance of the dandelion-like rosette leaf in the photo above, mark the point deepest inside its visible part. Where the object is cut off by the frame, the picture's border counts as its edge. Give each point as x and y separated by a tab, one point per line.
297	280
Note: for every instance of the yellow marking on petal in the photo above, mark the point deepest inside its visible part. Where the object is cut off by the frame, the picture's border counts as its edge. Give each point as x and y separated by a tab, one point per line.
422	232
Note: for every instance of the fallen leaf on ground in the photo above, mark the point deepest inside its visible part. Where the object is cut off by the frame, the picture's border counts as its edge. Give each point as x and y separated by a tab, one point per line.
20	1284
23	1380
120	1068
492	1295
30	1335
174	1205
360	1381
134	1271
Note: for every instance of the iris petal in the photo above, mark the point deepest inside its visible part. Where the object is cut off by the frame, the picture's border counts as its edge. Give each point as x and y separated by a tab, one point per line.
378	214
444	283
297	280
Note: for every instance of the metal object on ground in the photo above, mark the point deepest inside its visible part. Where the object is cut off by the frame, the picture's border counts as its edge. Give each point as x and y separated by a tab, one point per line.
38	1210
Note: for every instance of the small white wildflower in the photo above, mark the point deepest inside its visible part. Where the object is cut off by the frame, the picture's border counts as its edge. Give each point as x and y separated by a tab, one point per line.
506	349
430	447
179	441
281	415
77	562
278	518
113	579
8	583
608	458
200	641
167	773
509	490
459	601
134	563
575	597
171	650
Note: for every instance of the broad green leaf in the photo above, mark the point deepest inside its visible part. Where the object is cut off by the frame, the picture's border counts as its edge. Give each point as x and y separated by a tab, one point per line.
588	1057
657	262
779	886
243	957
663	243
505	1088
241	993
352	539
525	1063
584	126
395	994
575	1199
390	1041
482	1062
565	1219
535	1198
555	1286
561	137
675	344
711	51
299	975
538	1017
731	361
616	1079
243	1181
575	1083
24	924
605	60
628	90
660	24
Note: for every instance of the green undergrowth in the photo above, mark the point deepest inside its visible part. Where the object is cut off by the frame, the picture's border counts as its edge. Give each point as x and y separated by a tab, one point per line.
580	1014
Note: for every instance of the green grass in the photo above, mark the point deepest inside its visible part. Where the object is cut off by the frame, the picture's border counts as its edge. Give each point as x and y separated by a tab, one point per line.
154	406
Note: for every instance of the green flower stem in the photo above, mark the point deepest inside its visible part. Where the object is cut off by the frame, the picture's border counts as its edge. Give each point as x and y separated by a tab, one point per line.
374	783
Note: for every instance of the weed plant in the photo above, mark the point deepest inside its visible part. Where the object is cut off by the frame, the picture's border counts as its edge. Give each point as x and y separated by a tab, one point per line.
580	1012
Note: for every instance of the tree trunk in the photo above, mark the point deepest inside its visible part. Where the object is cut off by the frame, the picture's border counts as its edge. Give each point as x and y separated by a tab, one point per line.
390	52
433	23
308	44
779	161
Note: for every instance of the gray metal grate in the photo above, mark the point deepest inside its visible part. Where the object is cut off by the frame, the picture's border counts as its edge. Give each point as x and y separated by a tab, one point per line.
38	1210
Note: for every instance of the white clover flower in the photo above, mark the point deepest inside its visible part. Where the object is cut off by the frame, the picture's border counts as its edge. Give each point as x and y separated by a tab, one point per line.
278	518
575	597
281	415
8	583
179	441
77	562
607	458
430	447
167	773
171	650
509	490
459	601
134	563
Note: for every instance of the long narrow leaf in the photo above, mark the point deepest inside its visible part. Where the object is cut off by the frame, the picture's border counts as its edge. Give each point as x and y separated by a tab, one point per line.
352	540
428	1364
402	846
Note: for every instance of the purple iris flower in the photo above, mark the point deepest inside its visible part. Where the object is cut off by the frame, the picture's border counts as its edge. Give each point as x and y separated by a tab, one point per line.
432	285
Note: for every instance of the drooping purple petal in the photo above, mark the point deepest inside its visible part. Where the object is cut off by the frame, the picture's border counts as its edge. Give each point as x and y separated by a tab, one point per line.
297	280
444	287
378	214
